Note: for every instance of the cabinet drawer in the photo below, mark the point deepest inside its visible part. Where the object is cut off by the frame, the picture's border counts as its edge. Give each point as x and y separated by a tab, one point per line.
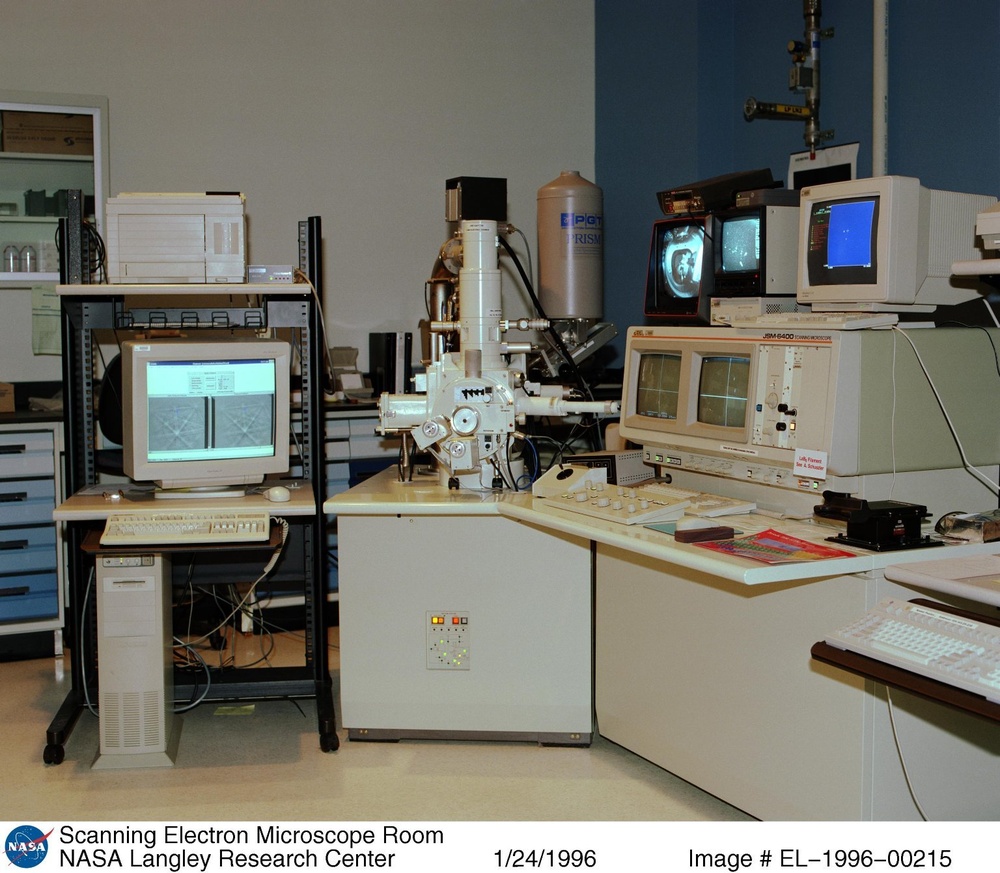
27	549
29	597
27	501
26	454
374	446
364	427
338	450
337	429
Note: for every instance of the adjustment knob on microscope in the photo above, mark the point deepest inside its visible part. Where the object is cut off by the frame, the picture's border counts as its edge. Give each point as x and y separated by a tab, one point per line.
431	429
465	421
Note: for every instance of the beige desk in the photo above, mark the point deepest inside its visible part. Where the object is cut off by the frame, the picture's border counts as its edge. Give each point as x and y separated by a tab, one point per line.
89	507
97	502
702	661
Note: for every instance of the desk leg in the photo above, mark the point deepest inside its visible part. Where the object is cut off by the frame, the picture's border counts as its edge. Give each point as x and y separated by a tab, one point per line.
328	739
61	727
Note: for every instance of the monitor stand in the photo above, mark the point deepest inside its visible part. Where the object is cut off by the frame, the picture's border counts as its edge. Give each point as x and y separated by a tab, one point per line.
208	491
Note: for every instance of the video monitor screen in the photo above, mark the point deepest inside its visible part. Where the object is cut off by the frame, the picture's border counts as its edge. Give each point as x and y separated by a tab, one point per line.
740	244
210	409
842	242
658	385
682	251
723	388
681	271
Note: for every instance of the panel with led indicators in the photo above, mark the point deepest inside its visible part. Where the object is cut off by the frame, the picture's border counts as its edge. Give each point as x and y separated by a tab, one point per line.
447	641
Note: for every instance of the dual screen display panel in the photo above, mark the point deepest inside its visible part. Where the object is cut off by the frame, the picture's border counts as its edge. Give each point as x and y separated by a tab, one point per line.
721	386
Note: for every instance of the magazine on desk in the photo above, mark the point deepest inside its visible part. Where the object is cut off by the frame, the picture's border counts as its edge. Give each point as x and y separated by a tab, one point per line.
774	547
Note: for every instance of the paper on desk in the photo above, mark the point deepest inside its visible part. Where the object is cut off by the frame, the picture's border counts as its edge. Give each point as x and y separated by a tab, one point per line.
774	547
46	332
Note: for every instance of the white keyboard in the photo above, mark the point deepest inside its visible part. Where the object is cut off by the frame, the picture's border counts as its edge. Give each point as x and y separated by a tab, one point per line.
184	527
818	320
701	503
644	503
949	648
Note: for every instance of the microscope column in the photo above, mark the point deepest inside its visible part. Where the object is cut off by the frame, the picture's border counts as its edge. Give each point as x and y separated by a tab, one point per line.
479	293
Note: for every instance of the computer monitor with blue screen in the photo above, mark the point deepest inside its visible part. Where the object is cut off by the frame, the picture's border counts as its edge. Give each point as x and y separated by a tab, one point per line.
885	243
679	275
204	416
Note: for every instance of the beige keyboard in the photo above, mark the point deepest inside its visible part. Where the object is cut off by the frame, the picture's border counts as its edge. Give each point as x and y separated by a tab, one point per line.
194	527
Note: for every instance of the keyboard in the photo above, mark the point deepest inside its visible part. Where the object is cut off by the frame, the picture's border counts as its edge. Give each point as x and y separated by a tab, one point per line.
701	503
644	503
185	527
952	649
818	320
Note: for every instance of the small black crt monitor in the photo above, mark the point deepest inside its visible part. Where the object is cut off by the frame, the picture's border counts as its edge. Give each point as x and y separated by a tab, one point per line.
680	276
755	251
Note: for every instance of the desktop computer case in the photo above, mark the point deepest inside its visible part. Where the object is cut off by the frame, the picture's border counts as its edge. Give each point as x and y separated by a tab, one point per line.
135	668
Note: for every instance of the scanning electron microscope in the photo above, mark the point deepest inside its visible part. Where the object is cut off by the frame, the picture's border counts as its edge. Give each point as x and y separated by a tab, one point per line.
475	398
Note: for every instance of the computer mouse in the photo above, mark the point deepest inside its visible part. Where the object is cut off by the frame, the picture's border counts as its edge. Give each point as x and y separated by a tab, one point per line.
278	494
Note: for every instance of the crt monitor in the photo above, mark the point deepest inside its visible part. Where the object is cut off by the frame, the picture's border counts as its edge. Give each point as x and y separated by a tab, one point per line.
200	415
679	277
755	250
885	243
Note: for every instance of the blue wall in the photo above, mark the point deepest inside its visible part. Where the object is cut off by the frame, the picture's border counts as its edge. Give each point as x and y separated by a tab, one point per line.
672	78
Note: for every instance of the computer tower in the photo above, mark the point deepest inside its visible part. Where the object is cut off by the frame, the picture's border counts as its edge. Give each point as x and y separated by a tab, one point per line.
135	662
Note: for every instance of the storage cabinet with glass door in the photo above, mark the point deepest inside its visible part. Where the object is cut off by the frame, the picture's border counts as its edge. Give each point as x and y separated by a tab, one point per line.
51	144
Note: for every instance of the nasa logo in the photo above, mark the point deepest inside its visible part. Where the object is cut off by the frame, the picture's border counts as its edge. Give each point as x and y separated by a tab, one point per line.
26	846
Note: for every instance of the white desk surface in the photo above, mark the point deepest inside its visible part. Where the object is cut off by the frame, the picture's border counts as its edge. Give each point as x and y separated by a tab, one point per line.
90	504
384	495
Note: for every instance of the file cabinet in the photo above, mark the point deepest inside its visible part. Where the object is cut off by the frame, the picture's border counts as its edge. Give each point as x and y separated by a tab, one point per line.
31	566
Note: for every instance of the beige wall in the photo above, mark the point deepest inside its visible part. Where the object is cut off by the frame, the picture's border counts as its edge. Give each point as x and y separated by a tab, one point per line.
353	110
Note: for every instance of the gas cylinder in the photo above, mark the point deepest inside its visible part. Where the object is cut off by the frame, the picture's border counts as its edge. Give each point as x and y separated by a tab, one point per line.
571	248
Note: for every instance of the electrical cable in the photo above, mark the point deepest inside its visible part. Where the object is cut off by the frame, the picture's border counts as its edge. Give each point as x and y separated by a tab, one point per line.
556	338
200	698
242	601
899	753
82	636
967	464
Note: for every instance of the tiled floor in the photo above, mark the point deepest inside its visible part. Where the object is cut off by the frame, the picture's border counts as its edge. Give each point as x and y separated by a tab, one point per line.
266	764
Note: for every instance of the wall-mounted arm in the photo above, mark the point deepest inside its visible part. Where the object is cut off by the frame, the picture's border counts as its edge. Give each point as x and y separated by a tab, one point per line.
803	77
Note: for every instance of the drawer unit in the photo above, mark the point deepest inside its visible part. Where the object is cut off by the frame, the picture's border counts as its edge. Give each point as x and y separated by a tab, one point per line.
27	501
31	598
28	453
25	550
31	546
